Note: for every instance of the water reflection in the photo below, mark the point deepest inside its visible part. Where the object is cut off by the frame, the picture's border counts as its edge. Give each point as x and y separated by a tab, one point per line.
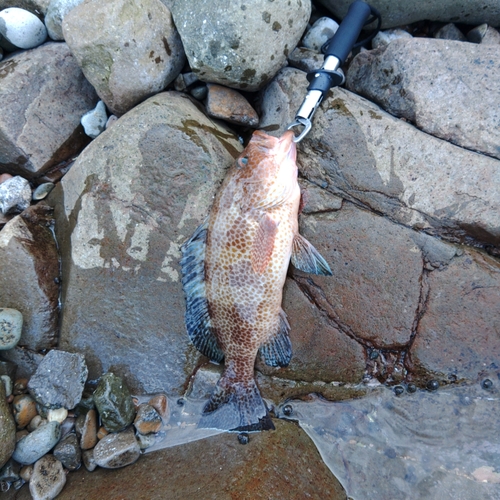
438	445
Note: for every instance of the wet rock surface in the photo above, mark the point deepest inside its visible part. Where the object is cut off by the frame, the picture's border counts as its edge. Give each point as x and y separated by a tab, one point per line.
41	127
117	450
30	266
394	78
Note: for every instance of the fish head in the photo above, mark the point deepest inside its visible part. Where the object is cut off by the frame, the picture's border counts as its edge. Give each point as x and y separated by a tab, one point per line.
268	160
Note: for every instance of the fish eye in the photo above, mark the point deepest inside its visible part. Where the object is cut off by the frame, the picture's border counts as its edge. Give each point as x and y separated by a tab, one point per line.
243	162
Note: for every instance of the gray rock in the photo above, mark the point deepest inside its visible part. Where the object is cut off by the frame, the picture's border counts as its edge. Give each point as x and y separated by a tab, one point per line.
41	127
42	191
20	29
117	450
15	195
114	403
36	444
319	33
7	429
119	240
400	12
484	34
88	460
450	32
9	473
199	92
458	104
240	45
68	452
59	380
11	325
25	360
361	153
94	121
55	14
30	264
384	38
305	59
128	51
36	7
47	479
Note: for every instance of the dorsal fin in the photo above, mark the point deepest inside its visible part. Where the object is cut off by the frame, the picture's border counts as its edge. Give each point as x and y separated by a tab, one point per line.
306	258
263	244
198	324
277	351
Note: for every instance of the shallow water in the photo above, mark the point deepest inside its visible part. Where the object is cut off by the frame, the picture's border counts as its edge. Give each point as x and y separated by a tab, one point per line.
438	445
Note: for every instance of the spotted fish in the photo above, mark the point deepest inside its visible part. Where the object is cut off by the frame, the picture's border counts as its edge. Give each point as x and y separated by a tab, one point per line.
234	268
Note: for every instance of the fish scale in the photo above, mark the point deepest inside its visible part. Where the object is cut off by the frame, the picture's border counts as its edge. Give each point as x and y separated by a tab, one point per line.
234	268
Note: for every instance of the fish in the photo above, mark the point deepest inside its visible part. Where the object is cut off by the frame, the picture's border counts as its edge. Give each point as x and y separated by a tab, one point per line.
233	271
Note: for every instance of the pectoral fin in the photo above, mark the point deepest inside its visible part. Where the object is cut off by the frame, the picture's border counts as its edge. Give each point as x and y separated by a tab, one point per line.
263	244
306	258
277	351
198	323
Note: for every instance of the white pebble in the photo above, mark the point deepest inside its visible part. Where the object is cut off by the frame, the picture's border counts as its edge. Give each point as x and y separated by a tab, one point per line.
11	325
21	29
384	38
42	191
321	31
94	122
58	415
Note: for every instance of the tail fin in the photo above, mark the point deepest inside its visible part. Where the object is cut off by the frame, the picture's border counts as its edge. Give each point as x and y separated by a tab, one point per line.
236	407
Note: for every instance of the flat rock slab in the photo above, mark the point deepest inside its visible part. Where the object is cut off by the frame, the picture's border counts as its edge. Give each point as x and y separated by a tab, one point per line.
364	154
28	275
399	12
41	126
282	465
448	89
123	210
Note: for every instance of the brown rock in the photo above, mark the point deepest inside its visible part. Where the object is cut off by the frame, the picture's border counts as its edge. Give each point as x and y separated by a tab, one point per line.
89	431
272	462
458	336
102	432
229	105
24	407
147	420
30	267
41	127
160	404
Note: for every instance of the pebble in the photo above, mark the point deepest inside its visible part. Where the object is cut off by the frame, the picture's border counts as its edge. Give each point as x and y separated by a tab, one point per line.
114	403
24	410
200	92
94	122
319	33
450	32
88	460
58	415
20	29
10	472
117	450
68	452
26	472
160	404
145	440
59	380
68	426
384	38
11	325
21	434
484	34
35	445
190	78
102	432
111	120
7	383
15	195
229	105
4	177
21	386
47	479
147	420
54	16
88	430
432	385
42	191
36	422
305	59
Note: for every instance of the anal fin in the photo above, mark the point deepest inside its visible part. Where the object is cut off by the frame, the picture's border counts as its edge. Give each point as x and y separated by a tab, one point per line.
198	323
306	258
278	350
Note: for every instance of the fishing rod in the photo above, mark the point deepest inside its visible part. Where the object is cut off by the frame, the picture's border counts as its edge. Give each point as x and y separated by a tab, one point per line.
336	51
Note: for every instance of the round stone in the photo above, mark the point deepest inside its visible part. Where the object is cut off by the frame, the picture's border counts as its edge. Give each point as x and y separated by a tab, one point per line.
47	479
117	450
35	445
11	325
321	31
94	122
42	191
20	29
411	388
147	420
68	452
24	409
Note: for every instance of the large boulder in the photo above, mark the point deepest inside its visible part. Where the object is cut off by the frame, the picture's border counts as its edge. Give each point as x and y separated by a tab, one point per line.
122	211
240	45
29	275
448	89
364	154
128	50
41	126
400	12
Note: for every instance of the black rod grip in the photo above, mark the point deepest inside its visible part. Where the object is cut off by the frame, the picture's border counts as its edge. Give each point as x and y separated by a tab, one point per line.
350	28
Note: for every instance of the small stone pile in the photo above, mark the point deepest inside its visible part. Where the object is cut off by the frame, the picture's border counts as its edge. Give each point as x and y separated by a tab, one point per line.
52	423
